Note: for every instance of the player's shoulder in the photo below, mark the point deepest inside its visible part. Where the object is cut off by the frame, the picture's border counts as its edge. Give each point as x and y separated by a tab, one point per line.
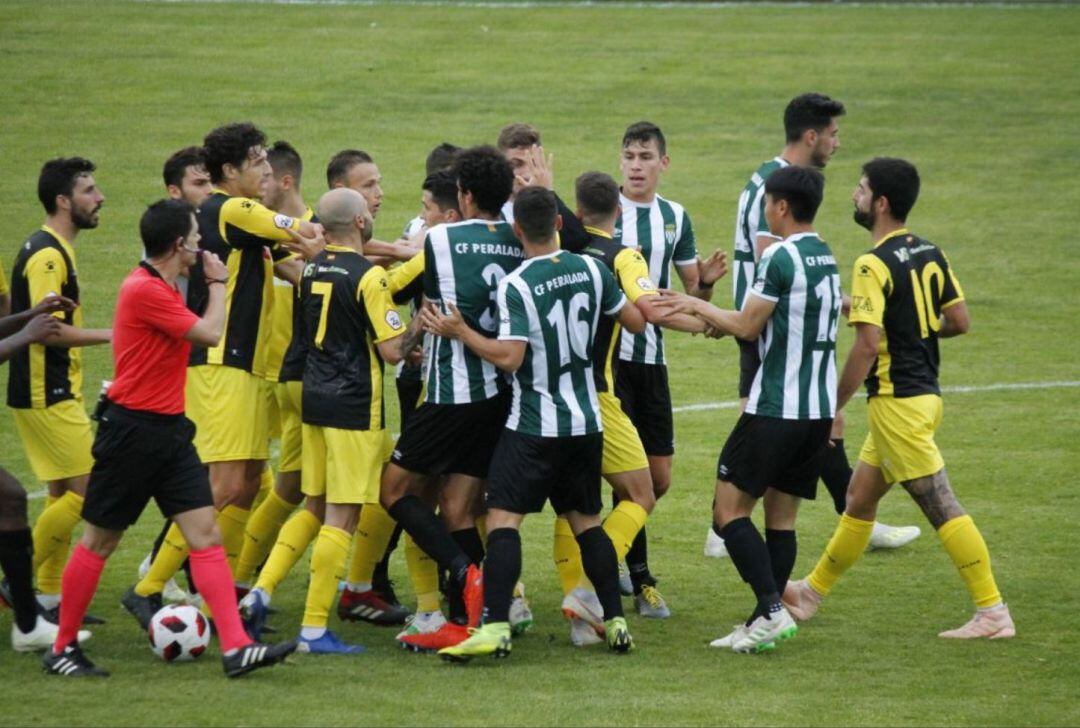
37	241
41	249
677	209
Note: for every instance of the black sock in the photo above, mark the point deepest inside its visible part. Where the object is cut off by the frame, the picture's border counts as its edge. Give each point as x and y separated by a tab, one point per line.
468	539
502	569
782	549
429	533
16	558
836	474
602	568
637	561
751	557
381	576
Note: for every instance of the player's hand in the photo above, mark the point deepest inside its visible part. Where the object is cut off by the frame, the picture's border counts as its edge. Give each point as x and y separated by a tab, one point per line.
42	327
672	302
447	325
53	303
538	170
712	268
416	356
213	268
711	332
306	247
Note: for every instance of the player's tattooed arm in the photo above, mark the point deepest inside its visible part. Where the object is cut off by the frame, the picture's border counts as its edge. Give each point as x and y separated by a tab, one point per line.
410	341
935	497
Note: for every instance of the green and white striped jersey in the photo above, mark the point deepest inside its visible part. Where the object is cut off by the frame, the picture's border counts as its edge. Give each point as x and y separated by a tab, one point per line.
554	303
750	224
797	376
463	264
663	231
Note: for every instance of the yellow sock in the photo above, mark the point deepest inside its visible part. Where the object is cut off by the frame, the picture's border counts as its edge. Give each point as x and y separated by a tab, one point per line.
52	536
232	520
260	534
266	487
849	540
293	540
327	566
567	557
424	575
170	557
967	549
623	524
372	537
481	528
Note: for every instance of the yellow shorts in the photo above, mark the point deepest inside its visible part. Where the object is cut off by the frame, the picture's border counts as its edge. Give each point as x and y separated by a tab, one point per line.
57	439
228	407
344	465
901	438
273	412
287	396
623	450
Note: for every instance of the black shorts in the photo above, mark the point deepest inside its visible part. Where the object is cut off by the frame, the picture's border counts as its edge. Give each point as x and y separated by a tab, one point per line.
452	438
749	363
643	391
139	456
528	470
769	452
408	391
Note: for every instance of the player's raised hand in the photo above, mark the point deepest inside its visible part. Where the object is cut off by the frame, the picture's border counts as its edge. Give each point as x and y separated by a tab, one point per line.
53	303
213	268
42	327
306	247
712	268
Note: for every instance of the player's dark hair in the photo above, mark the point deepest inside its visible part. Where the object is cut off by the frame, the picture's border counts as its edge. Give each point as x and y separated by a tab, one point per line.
284	159
485	173
801	187
164	222
58	178
896	180
597	195
177	164
342	162
441	157
535	211
809	111
443	188
514	136
230	144
642	132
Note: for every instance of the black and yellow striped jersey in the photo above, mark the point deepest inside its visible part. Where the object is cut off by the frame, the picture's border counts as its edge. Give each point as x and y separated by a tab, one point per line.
632	274
41	375
902	286
285	349
347	308
245	235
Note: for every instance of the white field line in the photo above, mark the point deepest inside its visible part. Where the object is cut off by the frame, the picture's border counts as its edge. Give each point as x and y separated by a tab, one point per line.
962	389
633	4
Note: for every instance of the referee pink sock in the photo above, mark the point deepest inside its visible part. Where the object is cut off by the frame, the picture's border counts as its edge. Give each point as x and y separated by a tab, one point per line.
79	583
210	570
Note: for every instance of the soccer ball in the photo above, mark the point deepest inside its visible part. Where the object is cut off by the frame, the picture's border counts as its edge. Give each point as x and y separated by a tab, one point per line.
179	632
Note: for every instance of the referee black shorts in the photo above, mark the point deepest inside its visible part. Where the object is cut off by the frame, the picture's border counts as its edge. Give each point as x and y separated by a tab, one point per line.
440	439
527	471
749	363
645	396
770	452
139	456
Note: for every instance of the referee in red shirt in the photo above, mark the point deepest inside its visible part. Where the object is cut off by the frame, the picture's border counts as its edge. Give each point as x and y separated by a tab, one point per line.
144	449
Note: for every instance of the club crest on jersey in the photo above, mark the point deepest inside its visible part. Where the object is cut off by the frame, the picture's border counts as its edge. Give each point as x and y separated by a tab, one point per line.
669	234
393	320
645	284
283	221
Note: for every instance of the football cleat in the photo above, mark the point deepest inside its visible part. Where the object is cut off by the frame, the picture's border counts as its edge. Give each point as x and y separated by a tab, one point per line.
725	642
490	639
422	623
584	606
618	635
71	663
328	644
141	608
892	537
256	655
714	546
650	603
626	586
993	623
368	606
41	637
521	616
254	608
447	635
473	595
800	599
52	614
764	632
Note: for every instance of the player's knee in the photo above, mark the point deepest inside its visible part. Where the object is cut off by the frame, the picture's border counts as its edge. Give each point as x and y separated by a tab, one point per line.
204	534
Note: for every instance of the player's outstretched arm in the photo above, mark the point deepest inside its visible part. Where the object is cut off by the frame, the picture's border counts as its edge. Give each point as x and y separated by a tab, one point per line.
745	324
40	329
52	303
504	354
861	357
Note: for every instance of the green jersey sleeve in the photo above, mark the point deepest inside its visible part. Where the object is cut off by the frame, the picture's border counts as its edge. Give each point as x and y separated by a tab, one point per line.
686	248
513	317
774	275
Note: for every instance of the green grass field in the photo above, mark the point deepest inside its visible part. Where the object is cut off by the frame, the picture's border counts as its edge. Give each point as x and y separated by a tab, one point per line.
983	99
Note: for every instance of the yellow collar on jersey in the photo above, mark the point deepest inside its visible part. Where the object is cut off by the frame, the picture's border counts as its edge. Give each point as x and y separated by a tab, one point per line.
598	232
893	234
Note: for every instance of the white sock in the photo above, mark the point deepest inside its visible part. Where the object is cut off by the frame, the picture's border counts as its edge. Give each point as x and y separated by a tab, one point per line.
49	601
312	633
359	586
